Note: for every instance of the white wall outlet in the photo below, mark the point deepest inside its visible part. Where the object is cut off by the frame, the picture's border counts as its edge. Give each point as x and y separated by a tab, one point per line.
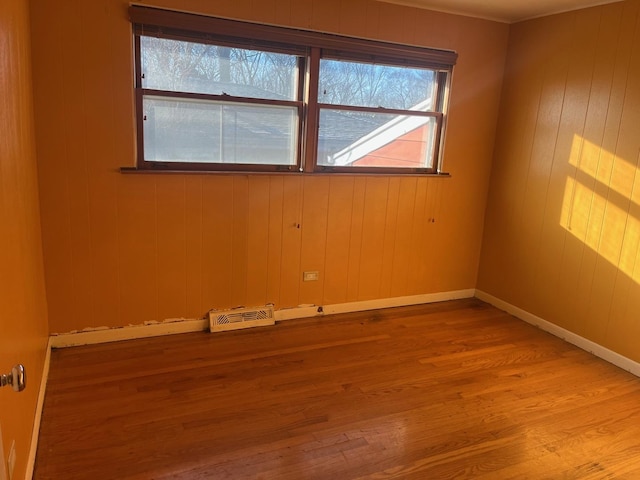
310	276
12	459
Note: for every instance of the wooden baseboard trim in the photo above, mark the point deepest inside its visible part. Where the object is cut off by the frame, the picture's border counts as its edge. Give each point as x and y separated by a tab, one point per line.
189	325
566	335
33	448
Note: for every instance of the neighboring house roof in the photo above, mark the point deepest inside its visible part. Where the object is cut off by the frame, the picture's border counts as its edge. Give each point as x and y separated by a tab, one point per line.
192	139
371	146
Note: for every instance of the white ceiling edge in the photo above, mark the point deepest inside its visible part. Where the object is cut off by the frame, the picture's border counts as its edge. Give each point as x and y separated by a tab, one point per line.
469	13
421	5
595	3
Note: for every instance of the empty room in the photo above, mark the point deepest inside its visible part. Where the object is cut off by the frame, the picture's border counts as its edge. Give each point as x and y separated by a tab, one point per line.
319	239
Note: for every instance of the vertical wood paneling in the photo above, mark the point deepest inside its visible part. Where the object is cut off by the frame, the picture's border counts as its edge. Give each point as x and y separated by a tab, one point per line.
445	249
532	80
101	189
171	257
276	200
23	303
419	243
194	248
424	278
549	240
507	143
371	19
594	167
552	96
339	216
625	307
217	242
104	248
301	13
138	250
314	236
393	23
610	224
578	213
76	152
257	241
283	12
151	247
53	175
578	87
355	239
350	17
239	240
624	326
402	249
373	230
390	228
442	28
552	241
290	273
324	18
264	10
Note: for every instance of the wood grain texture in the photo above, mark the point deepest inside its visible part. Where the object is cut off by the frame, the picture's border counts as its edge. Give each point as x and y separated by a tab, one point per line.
126	249
450	390
562	227
23	303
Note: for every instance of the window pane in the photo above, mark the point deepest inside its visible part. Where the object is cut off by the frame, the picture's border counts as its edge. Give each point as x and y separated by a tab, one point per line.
219	132
199	68
363	139
369	85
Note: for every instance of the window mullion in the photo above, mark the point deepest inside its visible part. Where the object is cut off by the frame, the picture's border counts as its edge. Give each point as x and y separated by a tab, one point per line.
310	139
442	99
441	89
379	130
138	98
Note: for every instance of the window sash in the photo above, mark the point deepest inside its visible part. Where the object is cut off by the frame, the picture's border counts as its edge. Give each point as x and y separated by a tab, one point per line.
310	47
378	144
219	124
145	163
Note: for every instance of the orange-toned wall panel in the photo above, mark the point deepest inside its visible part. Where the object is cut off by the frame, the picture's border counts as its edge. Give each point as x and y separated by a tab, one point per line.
563	227
124	249
23	306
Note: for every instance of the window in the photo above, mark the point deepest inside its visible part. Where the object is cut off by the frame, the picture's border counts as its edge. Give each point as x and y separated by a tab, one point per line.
215	94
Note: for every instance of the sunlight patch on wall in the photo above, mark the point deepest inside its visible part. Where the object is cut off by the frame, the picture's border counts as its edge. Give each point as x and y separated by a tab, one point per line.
600	206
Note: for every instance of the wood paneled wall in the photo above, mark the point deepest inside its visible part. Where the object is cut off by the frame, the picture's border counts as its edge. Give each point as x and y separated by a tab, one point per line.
127	248
563	217
23	308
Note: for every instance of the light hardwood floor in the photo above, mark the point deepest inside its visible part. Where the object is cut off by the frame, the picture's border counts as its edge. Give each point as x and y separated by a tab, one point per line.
450	390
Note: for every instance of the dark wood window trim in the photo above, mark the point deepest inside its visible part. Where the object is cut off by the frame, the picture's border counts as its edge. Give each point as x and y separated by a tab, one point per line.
311	47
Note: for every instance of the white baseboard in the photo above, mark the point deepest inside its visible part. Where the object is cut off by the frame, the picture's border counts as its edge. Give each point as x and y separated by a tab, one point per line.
573	338
398	301
88	337
31	461
351	307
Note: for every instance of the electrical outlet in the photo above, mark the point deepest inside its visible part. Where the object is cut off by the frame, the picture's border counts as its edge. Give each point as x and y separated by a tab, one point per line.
310	276
12	459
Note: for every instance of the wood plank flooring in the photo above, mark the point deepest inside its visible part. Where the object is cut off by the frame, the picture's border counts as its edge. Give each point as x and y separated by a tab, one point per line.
442	391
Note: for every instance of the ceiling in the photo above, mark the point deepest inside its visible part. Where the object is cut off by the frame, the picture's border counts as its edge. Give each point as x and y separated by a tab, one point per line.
508	11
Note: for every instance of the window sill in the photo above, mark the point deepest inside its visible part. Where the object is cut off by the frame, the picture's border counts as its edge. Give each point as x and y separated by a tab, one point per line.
144	171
